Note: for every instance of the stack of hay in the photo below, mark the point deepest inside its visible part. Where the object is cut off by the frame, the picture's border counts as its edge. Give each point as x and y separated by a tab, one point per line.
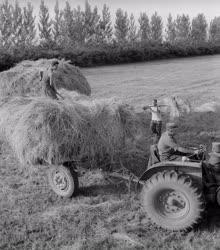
24	79
40	129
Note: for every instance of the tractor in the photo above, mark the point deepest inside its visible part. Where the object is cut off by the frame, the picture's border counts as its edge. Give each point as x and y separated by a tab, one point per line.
174	193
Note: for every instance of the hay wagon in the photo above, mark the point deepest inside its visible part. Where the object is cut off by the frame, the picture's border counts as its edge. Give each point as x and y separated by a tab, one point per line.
173	193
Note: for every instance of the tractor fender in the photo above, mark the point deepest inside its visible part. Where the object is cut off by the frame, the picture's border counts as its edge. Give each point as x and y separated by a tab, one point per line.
193	169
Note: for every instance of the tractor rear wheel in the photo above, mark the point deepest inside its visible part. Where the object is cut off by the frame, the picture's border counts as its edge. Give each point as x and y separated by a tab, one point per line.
172	200
63	181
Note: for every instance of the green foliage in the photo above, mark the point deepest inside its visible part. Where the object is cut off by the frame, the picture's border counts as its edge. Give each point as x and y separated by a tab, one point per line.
105	31
144	30
214	31
156	25
67	27
17	25
6	17
78	19
88	35
91	23
45	25
171	30
121	26
199	29
57	28
132	30
107	54
29	30
183	29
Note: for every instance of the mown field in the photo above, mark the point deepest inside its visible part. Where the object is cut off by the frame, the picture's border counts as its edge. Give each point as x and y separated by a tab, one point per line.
103	215
138	83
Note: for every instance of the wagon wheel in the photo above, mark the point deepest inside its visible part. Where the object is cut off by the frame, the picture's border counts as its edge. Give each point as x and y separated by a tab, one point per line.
172	201
63	181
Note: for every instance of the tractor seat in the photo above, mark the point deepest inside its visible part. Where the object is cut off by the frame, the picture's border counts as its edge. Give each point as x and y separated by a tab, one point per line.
154	155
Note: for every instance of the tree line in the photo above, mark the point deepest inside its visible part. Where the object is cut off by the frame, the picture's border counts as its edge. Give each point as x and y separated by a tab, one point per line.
82	28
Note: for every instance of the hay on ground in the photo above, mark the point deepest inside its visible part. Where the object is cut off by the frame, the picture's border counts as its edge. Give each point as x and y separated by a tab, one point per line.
176	106
208	107
54	132
24	79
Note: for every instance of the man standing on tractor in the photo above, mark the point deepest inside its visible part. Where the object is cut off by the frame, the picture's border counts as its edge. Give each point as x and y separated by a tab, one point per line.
168	148
156	120
49	86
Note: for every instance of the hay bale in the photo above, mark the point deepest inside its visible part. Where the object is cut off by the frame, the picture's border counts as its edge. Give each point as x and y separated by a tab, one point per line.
176	106
24	79
73	129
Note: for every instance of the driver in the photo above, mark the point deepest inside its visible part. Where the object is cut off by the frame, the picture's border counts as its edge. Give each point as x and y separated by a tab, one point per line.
168	148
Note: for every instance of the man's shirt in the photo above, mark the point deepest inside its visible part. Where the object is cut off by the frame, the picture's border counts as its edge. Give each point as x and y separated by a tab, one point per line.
156	113
167	146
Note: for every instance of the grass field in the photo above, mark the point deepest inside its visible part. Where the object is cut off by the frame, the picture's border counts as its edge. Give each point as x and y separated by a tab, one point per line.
138	83
103	215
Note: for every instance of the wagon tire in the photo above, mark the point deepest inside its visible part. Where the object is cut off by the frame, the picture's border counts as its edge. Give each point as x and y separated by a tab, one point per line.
63	181
173	201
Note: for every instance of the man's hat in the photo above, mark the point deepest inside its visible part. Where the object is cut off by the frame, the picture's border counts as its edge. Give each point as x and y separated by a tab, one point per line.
171	125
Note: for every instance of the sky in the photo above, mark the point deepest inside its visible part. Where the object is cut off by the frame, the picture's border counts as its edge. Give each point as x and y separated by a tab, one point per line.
210	8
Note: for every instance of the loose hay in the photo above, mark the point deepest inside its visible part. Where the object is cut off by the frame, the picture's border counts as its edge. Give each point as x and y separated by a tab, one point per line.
39	129
24	79
208	107
176	106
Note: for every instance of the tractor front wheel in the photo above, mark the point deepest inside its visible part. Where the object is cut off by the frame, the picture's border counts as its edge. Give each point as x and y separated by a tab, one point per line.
63	181
172	201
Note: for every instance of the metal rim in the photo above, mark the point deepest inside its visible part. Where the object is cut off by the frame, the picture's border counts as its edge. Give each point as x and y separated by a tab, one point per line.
61	181
171	204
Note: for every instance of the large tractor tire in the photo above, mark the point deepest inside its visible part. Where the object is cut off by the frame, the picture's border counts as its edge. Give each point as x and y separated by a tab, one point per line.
172	201
63	181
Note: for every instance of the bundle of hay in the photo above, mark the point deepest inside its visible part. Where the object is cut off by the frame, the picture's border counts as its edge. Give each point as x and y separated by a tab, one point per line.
24	78
176	106
39	129
208	107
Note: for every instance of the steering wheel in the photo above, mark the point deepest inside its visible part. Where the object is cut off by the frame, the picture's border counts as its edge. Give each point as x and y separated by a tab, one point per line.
200	155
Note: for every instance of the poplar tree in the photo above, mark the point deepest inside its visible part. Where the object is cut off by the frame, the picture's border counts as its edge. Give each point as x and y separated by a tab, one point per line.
57	26
132	30
199	29
78	26
214	31
68	35
170	30
45	25
6	18
183	29
144	30
121	26
105	26
17	25
29	28
156	26
91	23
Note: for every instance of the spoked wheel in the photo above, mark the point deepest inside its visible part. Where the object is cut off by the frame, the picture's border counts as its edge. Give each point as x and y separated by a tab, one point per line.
172	201
63	181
